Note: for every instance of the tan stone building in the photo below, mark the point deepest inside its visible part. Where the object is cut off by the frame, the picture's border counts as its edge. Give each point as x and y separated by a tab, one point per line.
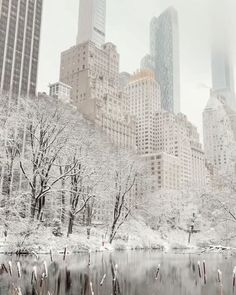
93	74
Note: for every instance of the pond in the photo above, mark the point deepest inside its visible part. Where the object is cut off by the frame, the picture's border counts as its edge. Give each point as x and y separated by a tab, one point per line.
126	273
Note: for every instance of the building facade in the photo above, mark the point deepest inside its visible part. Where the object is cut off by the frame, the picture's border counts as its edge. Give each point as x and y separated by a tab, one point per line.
219	134
144	101
164	49
167	141
164	171
176	143
176	136
92	22
20	25
60	91
93	74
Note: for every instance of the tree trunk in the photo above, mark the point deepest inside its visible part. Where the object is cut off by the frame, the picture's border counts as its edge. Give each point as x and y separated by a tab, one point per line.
7	182
63	209
111	237
33	208
89	213
70	225
39	208
40	204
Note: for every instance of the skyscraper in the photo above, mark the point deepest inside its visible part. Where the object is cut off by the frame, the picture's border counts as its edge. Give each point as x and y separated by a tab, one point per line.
92	21
147	62
93	74
20	24
219	133
144	101
170	142
164	47
221	58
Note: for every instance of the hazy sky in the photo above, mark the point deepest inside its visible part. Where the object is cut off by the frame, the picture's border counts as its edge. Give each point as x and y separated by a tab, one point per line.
128	28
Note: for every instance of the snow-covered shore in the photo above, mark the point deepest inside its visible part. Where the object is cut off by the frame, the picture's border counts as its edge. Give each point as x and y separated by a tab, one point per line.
135	235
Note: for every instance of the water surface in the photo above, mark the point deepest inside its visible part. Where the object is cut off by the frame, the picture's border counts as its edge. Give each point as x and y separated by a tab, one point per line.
127	273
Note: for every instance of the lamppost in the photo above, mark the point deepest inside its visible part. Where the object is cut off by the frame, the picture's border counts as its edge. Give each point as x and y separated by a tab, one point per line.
191	230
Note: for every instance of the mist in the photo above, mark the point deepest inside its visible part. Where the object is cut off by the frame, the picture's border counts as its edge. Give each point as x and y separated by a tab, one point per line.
128	27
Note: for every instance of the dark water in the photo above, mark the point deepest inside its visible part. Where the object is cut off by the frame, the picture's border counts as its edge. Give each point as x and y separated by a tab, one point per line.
127	273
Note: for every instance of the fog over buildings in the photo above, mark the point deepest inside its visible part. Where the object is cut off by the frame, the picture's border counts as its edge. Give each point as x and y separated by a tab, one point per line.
131	35
221	53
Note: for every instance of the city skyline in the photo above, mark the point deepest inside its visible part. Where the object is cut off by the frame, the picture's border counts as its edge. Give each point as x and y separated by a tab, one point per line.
117	132
132	40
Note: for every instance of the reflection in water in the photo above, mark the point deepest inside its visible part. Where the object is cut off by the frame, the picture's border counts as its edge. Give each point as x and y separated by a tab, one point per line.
120	273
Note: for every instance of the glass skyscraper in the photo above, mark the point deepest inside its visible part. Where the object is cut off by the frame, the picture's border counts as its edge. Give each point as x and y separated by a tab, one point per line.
221	57
92	21
20	24
164	49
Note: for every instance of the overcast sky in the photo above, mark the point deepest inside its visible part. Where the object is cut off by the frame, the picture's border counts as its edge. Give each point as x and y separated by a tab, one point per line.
128	28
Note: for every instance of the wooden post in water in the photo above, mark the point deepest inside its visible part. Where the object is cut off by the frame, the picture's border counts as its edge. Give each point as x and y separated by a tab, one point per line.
51	255
18	291
3	268
204	272
91	288
220	281
18	269
45	268
189	236
158	270
34	275
234	277
89	262
115	273
199	269
10	268
103	279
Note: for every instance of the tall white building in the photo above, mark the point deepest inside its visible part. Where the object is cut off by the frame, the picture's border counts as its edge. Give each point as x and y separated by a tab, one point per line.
92	22
176	136
177	160
169	143
219	134
144	101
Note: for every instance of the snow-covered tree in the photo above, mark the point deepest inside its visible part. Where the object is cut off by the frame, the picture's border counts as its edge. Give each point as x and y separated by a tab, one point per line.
124	176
